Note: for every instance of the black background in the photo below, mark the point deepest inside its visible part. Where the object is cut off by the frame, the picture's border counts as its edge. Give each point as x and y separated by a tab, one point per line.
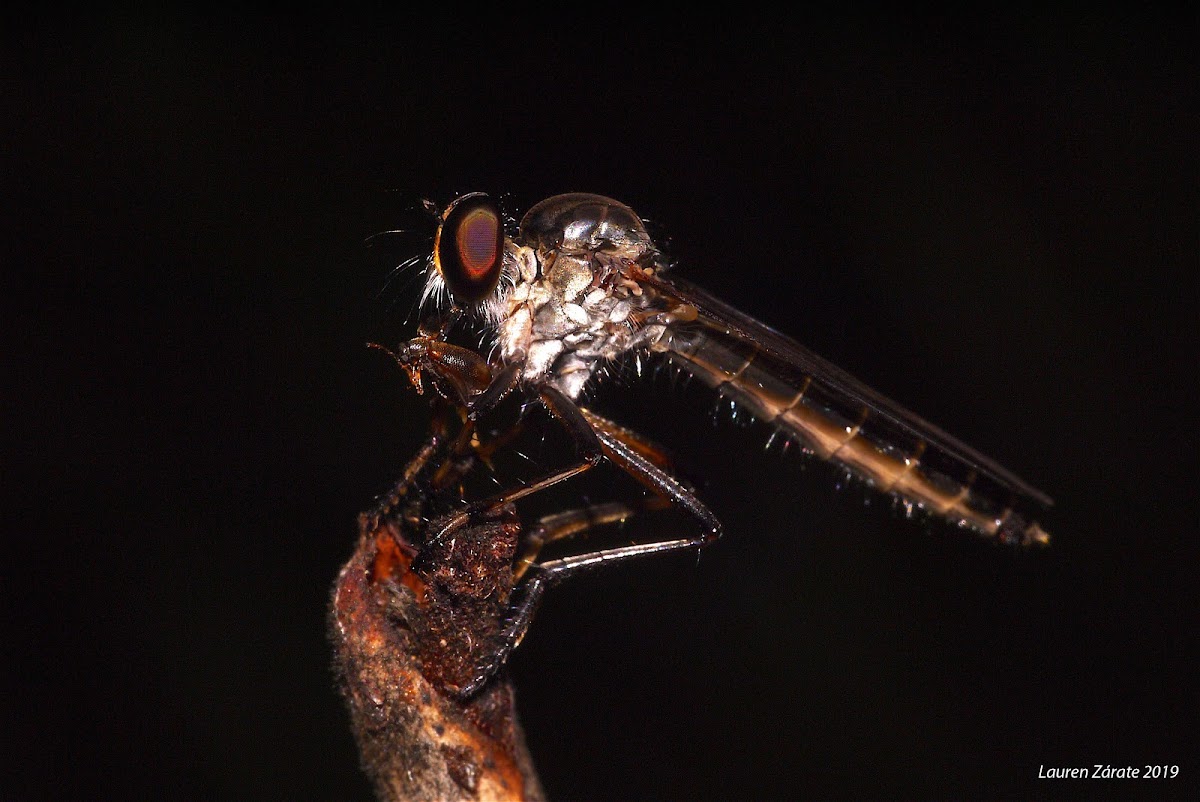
994	221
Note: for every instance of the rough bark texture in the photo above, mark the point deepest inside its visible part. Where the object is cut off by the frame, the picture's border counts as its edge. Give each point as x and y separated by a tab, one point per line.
404	640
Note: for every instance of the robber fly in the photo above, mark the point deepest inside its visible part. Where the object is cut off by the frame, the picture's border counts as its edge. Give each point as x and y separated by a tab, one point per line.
579	284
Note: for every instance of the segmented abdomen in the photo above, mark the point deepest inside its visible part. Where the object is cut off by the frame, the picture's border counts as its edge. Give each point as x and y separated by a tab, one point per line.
847	432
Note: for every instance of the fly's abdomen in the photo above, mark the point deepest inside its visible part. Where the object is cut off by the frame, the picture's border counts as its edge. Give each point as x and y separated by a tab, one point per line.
889	457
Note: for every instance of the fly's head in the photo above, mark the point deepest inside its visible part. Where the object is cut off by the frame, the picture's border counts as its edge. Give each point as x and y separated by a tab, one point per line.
473	265
563	294
568	242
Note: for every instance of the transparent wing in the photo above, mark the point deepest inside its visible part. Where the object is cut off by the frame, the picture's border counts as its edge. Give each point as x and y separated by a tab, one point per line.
729	341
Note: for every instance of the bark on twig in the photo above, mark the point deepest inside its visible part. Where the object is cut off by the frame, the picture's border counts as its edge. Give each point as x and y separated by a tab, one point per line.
402	641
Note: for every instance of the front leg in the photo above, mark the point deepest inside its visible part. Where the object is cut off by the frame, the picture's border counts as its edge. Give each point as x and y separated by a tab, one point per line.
595	438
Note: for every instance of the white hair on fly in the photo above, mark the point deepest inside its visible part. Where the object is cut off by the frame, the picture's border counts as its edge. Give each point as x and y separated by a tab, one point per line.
492	308
414	309
526	457
398	271
436	295
673	372
527	405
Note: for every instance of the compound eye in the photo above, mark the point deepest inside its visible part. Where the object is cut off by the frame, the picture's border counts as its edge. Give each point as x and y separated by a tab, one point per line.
468	251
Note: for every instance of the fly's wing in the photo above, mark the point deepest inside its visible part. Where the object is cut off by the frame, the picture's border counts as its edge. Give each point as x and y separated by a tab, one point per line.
759	366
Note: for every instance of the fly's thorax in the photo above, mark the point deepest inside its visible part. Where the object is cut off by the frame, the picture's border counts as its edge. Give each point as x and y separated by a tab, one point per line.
585	223
567	313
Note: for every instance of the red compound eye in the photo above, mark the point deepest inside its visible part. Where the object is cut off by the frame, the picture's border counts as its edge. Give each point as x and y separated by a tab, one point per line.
469	249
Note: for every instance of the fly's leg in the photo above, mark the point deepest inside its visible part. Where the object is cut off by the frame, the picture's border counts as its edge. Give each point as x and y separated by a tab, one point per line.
637	457
631	453
501	385
589	449
385	504
460	454
563	525
480	511
541	576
